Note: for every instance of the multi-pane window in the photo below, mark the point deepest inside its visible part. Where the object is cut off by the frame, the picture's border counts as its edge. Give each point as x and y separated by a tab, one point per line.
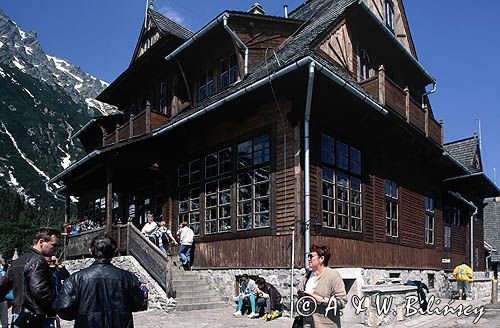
218	192
228	71
391	208
341	185
253	183
206	88
189	173
364	65
389	14
189	208
163	98
429	220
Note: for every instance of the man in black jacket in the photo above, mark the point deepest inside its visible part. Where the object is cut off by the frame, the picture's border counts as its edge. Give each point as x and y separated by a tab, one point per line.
101	295
31	281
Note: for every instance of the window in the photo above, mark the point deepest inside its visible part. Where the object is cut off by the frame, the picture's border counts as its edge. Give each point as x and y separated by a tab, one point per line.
228	71
163	99
429	220
189	209
218	192
189	173
364	65
389	15
447	235
253	184
391	208
206	88
341	185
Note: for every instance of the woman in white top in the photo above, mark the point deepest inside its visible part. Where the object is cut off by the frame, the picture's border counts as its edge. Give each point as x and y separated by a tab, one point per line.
149	228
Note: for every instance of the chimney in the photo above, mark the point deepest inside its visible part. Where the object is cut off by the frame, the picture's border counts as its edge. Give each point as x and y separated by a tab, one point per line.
285	7
257	9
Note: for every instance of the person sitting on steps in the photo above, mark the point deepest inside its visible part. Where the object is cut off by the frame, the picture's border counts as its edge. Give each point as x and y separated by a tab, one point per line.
248	292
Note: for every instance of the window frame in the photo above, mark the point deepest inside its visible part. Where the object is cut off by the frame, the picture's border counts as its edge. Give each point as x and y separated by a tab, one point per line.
389	14
429	220
253	169
337	213
230	72
206	84
364	65
391	203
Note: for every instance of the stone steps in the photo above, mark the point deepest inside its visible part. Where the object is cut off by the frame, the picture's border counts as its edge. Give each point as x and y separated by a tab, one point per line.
192	292
200	306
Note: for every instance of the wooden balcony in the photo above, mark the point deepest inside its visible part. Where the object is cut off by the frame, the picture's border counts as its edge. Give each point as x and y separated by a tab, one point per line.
145	122
389	94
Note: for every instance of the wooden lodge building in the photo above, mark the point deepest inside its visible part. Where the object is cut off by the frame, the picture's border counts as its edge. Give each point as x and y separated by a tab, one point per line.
318	121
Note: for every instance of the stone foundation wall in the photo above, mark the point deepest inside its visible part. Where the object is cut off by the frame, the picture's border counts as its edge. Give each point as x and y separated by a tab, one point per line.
224	281
157	297
442	286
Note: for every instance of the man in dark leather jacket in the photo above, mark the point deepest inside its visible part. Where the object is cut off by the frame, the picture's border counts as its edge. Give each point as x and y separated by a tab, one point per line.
101	295
31	280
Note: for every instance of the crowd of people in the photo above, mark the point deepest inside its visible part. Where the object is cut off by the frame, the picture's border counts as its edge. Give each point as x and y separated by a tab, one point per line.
101	295
162	237
80	226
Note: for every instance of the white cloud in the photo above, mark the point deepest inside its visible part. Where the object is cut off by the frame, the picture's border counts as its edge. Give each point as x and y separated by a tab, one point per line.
172	14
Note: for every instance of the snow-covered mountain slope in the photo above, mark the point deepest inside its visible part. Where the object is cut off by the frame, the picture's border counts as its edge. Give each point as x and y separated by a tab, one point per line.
43	101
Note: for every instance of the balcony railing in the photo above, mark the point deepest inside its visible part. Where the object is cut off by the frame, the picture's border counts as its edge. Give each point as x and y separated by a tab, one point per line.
399	100
145	122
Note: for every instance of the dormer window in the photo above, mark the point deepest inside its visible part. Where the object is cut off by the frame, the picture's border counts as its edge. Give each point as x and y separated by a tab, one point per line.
206	88
364	65
389	15
228	71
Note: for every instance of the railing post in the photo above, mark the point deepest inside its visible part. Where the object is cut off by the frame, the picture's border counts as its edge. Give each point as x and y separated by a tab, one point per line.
148	116
170	277
407	104
131	126
128	235
381	85
426	109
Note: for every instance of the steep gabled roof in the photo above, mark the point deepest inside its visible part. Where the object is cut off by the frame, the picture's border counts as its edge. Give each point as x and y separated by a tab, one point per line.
492	227
465	152
168	26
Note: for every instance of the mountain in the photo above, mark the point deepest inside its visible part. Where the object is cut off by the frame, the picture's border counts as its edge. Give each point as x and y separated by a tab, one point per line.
43	101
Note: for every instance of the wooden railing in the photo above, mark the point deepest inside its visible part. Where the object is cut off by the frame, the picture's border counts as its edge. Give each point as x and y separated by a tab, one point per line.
144	122
391	95
149	256
131	241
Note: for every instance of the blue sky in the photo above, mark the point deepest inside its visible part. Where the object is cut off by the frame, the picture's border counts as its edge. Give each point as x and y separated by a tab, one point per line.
457	41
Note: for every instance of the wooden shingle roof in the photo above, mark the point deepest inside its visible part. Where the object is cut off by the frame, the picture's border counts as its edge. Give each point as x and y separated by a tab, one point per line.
492	227
168	26
465	151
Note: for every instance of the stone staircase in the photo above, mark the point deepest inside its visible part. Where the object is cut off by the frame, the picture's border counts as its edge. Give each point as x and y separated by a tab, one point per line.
193	292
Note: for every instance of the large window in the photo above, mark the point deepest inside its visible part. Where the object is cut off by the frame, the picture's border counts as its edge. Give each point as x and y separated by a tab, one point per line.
228	71
227	187
391	208
341	185
206	88
429	220
389	14
253	184
188	176
218	191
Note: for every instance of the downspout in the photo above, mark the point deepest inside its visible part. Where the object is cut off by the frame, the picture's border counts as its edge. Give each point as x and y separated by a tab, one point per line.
307	193
238	41
434	88
471	204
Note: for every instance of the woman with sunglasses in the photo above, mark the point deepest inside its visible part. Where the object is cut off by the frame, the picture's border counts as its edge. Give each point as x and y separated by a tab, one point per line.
326	286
